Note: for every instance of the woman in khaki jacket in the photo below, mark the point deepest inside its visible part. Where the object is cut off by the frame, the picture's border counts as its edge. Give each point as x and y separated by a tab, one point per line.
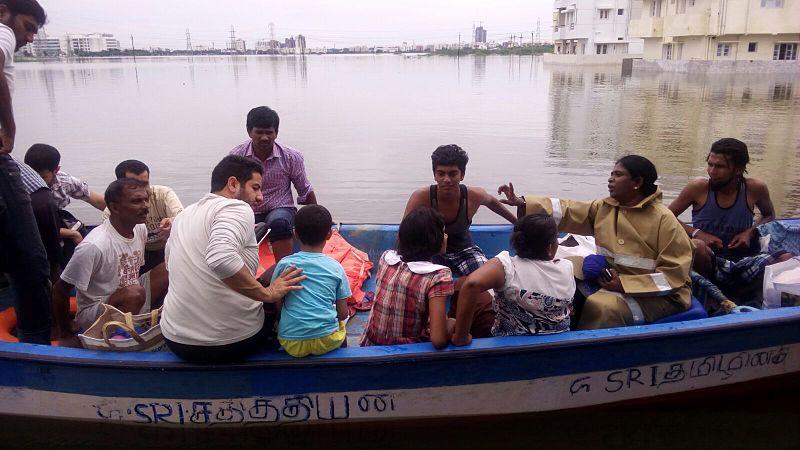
647	250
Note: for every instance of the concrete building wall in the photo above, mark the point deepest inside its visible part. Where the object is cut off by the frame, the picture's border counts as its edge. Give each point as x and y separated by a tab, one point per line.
715	30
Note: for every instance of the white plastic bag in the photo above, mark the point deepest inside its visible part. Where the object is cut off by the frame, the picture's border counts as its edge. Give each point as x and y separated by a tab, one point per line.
779	278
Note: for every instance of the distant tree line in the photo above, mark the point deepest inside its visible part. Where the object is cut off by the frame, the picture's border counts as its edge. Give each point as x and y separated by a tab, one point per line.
525	50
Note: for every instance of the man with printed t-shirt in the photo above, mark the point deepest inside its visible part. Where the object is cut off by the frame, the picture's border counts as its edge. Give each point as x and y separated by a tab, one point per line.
105	266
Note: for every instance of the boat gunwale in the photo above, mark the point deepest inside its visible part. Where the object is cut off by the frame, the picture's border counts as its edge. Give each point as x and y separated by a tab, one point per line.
409	353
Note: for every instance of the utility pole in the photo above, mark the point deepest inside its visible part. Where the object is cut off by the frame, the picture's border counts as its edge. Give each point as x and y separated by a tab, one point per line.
538	31
458	51
133	49
189	47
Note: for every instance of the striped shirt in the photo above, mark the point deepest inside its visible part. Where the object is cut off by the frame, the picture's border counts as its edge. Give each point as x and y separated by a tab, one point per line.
66	187
282	169
30	178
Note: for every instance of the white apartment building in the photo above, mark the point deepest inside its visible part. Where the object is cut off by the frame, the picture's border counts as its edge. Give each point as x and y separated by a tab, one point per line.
593	27
72	43
718	30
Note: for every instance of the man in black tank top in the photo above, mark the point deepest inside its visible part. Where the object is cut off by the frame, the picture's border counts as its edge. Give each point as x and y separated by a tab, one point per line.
458	204
723	231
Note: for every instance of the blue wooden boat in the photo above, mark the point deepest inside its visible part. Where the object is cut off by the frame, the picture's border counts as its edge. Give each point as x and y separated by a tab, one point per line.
490	377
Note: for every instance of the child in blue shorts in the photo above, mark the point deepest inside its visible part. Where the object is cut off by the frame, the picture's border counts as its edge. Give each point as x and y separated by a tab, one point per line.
312	318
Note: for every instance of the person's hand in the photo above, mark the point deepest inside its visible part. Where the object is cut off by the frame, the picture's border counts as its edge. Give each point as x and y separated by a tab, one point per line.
165	227
711	241
289	280
7	143
511	198
614	284
460	341
742	240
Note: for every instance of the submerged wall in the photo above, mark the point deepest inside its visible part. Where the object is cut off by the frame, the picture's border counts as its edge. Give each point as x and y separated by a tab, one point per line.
740	66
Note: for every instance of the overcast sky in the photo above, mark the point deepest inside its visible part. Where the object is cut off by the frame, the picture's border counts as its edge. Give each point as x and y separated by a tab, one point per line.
163	23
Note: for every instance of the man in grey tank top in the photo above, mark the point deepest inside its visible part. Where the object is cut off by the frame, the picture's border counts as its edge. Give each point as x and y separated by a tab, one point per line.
723	228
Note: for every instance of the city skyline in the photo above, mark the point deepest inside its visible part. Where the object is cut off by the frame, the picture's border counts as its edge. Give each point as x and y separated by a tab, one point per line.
324	24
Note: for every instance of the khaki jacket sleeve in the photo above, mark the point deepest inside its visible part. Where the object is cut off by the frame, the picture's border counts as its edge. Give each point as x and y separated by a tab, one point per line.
673	263
571	216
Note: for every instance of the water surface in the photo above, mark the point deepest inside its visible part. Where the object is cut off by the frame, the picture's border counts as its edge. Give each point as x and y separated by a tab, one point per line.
367	124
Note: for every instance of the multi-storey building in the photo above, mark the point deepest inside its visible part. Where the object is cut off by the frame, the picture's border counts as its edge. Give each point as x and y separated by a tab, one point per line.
718	30
73	43
593	27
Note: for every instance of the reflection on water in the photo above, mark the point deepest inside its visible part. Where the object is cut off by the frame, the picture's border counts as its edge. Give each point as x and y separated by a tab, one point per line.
368	123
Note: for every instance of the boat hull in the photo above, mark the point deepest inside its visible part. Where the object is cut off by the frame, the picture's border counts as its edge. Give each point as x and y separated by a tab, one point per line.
581	369
495	376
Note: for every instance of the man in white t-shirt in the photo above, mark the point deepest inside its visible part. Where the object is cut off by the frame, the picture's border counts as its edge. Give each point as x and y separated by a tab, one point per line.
22	255
105	266
214	310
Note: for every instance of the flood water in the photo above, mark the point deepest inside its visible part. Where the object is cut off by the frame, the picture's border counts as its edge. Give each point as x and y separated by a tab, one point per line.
367	124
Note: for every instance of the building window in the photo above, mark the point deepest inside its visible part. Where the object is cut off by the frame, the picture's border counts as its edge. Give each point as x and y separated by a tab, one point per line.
723	49
752	47
772	3
785	52
620	12
602	49
604	13
655	8
667	51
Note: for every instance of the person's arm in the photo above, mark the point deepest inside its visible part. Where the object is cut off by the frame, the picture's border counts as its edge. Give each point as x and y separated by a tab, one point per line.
766	210
311	199
494	205
673	263
438	321
97	200
420	197
8	128
342	312
343	293
489	276
61	291
688	198
305	192
231	227
245	283
172	202
572	216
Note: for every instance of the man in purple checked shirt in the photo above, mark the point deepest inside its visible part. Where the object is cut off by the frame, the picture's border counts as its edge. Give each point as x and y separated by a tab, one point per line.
283	166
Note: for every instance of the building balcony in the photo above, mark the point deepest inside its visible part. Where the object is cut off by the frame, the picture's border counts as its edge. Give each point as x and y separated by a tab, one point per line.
686	25
647	27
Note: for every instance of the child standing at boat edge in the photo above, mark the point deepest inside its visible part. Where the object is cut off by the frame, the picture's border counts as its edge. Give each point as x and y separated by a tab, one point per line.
312	319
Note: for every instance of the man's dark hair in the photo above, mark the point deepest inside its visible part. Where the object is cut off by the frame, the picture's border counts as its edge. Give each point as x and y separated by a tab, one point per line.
234	166
28	8
262	117
42	157
734	151
421	235
450	155
312	224
532	234
117	188
641	167
130	166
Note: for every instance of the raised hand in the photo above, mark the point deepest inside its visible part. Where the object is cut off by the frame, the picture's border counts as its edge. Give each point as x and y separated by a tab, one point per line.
511	198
